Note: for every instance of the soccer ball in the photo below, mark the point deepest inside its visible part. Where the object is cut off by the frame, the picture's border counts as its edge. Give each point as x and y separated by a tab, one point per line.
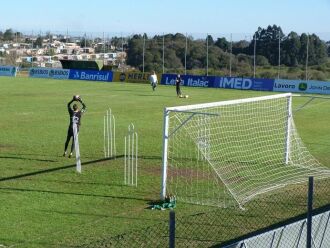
186	96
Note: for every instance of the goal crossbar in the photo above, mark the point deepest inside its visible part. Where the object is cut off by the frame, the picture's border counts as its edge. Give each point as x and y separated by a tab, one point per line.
224	103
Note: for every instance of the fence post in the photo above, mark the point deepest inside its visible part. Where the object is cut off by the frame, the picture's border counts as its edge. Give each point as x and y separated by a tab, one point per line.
310	212
172	229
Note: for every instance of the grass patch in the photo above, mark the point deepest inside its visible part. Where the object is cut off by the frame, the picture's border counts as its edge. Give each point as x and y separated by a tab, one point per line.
45	203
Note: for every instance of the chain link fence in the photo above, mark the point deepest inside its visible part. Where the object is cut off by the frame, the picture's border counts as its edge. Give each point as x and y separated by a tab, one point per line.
276	219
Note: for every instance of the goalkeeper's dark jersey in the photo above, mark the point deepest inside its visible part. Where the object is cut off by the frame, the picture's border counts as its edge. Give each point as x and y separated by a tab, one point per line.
75	115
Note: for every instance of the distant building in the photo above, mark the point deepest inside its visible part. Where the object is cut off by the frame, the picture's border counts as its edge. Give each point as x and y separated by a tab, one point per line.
87	50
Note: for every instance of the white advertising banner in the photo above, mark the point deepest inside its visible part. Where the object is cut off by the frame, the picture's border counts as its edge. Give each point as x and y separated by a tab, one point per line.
302	86
49	73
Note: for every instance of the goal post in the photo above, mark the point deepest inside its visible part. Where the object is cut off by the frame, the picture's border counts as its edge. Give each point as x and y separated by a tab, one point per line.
165	150
231	151
288	129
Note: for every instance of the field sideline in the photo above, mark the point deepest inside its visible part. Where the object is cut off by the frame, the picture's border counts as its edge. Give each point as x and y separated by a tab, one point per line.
45	203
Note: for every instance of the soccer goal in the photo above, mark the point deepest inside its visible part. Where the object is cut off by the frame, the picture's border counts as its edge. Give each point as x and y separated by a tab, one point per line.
228	152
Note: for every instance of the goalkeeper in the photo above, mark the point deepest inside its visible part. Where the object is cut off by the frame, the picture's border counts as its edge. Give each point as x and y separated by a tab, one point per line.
75	113
178	81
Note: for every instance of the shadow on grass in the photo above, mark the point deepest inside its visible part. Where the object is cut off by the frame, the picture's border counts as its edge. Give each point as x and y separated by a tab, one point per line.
155	95
71	193
24	158
150	157
124	90
112	216
73	182
56	169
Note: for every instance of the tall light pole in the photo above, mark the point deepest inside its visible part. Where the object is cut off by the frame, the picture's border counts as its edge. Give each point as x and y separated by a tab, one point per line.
185	57
122	42
163	53
254	56
103	48
231	53
306	70
279	54
143	51
207	54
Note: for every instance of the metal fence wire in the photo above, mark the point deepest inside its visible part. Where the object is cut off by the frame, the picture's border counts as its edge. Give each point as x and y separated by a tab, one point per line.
277	219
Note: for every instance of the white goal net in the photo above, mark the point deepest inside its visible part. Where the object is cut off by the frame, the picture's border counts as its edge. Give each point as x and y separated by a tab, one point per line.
229	152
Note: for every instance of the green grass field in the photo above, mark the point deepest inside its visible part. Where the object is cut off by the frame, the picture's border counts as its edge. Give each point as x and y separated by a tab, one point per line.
45	203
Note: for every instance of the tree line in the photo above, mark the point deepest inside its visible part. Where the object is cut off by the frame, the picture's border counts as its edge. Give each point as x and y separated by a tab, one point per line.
269	44
176	52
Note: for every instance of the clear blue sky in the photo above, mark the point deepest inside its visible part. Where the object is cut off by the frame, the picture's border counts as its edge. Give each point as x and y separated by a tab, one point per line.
165	16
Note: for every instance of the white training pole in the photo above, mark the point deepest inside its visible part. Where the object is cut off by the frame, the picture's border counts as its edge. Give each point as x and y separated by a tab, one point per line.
114	135
136	156
76	144
131	157
128	158
109	133
125	155
127	162
104	137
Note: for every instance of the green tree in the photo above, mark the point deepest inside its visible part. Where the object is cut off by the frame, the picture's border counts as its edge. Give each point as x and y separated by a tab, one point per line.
317	50
223	44
196	58
290	49
328	45
210	40
261	60
84	42
8	35
153	55
171	60
38	42
215	57
49	36
177	46
241	46
135	51
267	41
118	42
